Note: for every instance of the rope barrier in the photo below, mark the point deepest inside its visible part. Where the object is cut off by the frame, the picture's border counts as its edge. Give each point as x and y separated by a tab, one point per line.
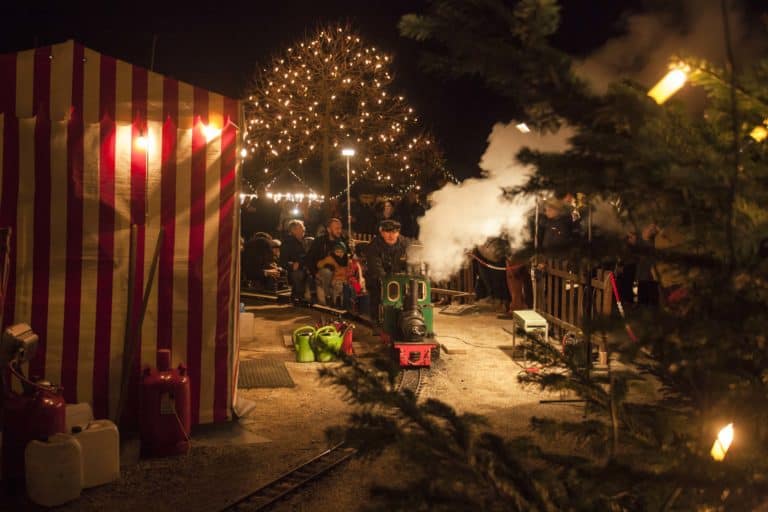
485	263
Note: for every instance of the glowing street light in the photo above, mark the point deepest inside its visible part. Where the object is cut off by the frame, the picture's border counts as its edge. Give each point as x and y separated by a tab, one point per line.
669	85
722	443
348	153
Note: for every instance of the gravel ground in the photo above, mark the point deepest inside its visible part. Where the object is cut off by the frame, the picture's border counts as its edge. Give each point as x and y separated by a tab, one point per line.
284	427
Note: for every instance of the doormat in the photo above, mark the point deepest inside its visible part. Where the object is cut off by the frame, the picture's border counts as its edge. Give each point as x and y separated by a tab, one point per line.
263	373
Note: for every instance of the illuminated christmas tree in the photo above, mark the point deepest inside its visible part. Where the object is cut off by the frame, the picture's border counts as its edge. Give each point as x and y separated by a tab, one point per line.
330	91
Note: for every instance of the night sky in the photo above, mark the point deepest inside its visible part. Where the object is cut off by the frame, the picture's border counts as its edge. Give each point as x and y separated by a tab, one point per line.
217	47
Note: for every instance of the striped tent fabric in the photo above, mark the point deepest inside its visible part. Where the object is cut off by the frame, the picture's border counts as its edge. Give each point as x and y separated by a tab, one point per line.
90	146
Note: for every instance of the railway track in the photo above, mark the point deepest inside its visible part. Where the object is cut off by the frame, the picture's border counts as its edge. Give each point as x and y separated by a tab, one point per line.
304	474
295	479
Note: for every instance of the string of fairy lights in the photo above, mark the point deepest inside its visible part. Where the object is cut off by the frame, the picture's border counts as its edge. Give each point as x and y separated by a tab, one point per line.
329	91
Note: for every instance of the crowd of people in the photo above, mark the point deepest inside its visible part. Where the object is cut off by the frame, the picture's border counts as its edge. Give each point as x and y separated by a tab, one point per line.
320	265
285	247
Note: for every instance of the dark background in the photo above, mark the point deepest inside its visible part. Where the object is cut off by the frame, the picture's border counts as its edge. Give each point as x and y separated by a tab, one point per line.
218	45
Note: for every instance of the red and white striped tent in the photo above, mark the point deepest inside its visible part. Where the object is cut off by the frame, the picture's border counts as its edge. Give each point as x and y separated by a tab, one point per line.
91	145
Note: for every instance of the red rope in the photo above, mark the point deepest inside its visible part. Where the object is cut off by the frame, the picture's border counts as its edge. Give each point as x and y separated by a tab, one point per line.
621	307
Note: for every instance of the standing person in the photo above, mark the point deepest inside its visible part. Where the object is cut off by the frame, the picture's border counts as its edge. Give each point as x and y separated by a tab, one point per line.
321	247
292	258
494	253
386	254
408	213
387	211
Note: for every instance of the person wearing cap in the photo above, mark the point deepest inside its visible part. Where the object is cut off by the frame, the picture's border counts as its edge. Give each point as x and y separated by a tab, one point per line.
322	247
385	255
337	263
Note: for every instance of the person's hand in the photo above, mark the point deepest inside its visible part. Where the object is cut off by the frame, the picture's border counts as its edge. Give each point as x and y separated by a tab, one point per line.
272	272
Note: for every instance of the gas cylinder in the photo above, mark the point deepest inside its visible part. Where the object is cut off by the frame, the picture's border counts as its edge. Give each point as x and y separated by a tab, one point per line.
36	414
165	419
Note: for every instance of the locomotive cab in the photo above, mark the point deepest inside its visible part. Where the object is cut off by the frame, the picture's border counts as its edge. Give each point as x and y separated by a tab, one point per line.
408	319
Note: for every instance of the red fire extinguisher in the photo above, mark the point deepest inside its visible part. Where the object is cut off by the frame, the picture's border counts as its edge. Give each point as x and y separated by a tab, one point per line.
35	414
165	420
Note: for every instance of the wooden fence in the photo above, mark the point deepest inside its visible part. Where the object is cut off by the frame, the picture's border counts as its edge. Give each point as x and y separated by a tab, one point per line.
560	298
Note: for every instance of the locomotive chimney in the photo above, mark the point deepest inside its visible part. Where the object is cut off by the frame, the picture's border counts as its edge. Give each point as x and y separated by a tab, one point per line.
412	299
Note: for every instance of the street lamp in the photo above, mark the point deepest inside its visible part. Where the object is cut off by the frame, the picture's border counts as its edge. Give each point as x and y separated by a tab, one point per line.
348	152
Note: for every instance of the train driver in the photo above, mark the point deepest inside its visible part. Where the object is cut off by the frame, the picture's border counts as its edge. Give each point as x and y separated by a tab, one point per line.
386	254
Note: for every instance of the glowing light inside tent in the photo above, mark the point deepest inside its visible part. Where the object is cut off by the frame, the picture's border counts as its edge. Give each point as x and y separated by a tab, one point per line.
210	132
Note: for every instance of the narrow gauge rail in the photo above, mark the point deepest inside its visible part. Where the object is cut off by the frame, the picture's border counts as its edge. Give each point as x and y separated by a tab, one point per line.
293	480
267	495
287	483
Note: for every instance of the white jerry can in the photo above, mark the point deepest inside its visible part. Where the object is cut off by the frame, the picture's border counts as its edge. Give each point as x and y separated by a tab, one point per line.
54	470
77	415
100	445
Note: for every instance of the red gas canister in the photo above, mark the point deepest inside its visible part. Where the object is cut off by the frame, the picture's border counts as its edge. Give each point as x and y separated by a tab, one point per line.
34	415
165	423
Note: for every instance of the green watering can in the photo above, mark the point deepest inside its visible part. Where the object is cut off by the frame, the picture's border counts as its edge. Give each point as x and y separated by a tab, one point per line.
327	343
302	342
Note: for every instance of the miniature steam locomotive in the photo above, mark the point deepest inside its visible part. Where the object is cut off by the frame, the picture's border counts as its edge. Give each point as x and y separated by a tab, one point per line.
408	319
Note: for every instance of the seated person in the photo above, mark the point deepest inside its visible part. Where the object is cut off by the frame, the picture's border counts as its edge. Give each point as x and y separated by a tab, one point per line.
320	248
337	262
259	267
292	256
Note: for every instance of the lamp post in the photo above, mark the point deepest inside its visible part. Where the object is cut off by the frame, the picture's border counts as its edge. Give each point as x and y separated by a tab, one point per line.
348	152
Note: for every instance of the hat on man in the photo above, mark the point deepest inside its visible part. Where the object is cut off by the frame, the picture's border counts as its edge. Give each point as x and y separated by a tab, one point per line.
275	242
340	245
389	225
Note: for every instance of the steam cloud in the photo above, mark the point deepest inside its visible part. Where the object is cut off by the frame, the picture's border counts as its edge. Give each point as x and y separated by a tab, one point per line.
469	213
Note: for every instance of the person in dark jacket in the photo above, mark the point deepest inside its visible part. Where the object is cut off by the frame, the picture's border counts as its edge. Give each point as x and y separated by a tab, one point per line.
259	269
386	254
292	258
322	247
409	212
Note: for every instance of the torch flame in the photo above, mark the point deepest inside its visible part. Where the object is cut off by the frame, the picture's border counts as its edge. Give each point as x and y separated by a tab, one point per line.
722	443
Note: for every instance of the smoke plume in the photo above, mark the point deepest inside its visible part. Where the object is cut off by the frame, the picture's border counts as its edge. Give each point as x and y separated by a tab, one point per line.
464	215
